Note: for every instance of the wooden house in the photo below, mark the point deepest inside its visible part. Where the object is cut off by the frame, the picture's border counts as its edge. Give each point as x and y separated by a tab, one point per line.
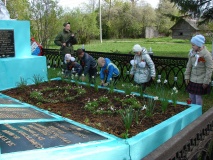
184	29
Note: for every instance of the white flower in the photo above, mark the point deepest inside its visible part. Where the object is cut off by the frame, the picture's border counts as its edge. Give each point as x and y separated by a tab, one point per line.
132	94
76	75
111	108
83	75
122	85
174	88
97	72
110	79
127	95
175	78
159	76
165	81
176	91
48	66
158	81
144	107
93	77
155	98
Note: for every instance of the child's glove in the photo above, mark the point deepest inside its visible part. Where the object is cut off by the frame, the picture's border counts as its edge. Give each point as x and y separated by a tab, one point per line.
133	62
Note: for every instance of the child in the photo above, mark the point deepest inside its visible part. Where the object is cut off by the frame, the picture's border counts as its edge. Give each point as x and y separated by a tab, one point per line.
72	66
143	68
198	70
108	70
88	64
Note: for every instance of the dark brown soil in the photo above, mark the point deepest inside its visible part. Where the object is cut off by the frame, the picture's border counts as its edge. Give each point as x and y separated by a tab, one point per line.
63	98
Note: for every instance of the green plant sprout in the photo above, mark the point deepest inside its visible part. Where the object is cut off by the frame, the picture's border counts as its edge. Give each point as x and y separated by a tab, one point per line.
150	105
22	84
127	117
37	79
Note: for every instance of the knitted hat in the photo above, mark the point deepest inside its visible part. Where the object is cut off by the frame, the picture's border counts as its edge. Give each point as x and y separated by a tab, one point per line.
101	61
67	57
137	48
66	24
198	40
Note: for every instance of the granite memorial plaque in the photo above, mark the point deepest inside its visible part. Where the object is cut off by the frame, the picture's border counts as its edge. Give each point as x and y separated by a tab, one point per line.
28	136
6	100
16	113
7	48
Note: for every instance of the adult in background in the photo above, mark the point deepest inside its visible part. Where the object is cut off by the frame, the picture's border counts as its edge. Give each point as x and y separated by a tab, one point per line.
88	64
109	71
143	68
198	70
65	39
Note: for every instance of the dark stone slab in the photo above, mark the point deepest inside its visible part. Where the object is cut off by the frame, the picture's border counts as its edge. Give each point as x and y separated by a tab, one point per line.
16	113
7	48
27	136
6	100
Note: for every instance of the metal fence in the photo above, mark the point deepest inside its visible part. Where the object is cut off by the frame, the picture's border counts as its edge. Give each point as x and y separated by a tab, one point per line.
169	68
195	142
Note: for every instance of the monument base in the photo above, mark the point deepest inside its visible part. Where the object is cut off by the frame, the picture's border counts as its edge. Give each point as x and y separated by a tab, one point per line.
15	70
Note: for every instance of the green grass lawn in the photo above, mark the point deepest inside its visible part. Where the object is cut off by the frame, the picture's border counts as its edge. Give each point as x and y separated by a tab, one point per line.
160	46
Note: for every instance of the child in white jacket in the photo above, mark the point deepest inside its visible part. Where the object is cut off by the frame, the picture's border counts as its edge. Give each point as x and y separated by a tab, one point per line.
143	68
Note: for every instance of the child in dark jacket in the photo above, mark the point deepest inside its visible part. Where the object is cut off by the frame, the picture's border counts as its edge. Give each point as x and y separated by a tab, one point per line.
109	71
72	67
88	64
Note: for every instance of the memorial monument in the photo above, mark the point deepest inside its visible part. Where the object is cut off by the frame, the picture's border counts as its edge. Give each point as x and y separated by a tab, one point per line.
16	61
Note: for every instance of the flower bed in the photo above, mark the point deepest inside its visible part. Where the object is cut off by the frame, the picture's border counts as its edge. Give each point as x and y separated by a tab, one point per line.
115	113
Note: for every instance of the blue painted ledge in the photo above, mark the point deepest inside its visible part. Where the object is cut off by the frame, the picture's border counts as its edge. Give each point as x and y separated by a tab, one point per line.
113	148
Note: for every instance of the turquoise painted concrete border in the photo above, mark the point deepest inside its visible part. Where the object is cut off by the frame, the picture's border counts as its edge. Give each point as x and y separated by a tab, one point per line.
134	148
147	141
23	65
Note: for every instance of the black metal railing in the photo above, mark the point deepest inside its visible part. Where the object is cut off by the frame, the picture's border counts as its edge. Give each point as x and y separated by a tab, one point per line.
194	142
169	68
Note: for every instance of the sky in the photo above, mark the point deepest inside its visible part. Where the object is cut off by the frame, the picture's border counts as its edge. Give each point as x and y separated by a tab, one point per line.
76	3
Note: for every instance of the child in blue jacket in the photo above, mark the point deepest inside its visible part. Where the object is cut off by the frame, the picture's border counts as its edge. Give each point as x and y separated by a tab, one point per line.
109	71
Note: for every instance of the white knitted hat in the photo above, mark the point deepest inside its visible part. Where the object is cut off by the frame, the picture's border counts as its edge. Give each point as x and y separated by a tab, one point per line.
137	48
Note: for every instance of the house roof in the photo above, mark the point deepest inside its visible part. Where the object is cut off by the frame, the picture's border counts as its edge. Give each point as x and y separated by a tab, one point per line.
191	22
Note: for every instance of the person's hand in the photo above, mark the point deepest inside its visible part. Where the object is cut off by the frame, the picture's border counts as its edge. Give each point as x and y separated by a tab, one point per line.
205	86
72	35
153	78
187	81
63	44
105	84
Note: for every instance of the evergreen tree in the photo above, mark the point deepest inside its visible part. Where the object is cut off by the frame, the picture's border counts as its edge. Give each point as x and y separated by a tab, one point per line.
202	9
